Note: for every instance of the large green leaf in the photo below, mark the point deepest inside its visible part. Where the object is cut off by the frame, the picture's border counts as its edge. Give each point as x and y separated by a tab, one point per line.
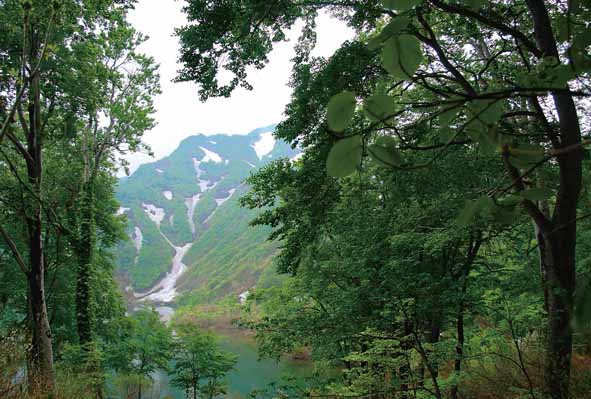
345	156
340	110
402	56
385	155
474	209
394	27
448	114
510	200
488	112
525	156
536	194
379	107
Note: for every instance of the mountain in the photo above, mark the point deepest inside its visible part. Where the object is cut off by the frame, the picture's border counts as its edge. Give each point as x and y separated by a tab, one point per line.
187	231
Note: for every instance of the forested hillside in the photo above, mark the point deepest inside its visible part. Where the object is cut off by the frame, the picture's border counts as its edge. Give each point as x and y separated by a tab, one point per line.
188	202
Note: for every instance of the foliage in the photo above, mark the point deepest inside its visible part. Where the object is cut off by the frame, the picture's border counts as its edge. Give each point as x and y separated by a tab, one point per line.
446	126
199	366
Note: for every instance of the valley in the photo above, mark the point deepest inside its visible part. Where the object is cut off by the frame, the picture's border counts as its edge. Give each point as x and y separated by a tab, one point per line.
229	256
188	234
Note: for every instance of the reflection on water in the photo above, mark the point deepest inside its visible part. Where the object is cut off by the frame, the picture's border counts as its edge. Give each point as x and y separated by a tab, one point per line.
249	374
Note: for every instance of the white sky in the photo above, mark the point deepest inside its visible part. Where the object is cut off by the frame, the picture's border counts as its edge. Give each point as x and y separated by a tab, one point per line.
180	114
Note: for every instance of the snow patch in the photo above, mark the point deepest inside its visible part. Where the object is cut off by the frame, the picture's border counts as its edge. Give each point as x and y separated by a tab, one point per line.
250	164
243	297
264	145
171	220
210	156
220	201
204	185
165	290
227	161
154	213
159	171
138	238
297	157
167	194
212	142
165	313
121	211
198	170
191	203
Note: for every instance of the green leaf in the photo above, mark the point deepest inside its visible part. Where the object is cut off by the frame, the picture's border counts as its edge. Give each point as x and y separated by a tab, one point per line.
536	194
505	216
387	156
344	157
448	114
528	153
386	141
510	200
488	141
379	107
488	112
447	134
340	110
402	56
400	5
394	27
475	208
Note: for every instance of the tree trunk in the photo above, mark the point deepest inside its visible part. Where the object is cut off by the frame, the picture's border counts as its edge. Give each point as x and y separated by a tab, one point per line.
557	246
460	337
85	247
558	263
41	350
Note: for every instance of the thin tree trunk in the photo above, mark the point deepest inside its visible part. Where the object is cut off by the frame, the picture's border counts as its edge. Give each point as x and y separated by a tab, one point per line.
460	338
85	259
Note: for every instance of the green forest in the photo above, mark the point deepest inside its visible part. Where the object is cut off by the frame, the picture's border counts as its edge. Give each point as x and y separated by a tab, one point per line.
414	227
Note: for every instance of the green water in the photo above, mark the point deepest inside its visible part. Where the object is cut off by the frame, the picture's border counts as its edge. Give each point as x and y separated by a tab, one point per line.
249	374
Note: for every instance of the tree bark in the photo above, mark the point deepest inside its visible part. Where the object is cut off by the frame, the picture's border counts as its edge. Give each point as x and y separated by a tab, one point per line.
85	262
558	244
41	350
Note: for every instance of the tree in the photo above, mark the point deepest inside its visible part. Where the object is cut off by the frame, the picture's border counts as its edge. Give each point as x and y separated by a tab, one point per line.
144	345
433	76
199	364
118	89
58	63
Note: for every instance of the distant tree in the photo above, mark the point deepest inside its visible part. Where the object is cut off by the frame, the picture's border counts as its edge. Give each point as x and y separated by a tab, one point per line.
199	364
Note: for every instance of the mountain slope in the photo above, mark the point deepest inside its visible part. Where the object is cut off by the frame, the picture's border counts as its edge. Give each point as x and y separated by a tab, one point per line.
187	230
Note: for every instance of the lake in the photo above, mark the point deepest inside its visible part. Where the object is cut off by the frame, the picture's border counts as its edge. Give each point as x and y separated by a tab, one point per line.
249	374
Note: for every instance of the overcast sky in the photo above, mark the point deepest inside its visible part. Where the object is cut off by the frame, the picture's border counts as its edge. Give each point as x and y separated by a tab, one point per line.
180	114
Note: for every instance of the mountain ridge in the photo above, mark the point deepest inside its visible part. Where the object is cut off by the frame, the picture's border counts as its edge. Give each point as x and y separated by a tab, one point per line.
187	230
